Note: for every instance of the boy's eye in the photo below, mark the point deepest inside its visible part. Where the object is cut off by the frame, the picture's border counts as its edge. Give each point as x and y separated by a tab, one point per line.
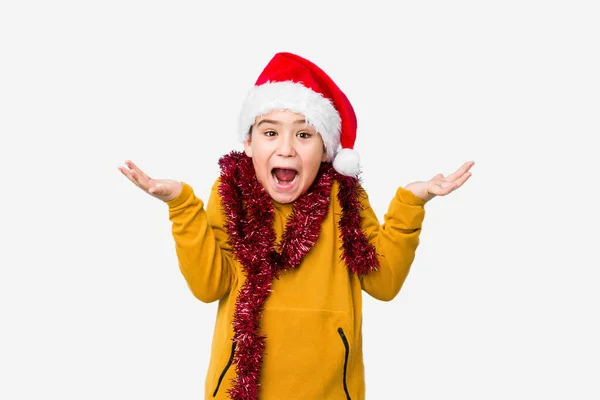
304	135
270	133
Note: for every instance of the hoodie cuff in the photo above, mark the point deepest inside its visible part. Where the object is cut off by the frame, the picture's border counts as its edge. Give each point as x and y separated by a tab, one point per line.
407	197
186	192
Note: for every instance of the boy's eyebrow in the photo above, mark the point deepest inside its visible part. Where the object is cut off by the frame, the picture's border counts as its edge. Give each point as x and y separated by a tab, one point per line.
270	121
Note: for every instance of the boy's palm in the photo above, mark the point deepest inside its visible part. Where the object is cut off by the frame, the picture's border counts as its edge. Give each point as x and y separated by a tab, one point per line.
163	189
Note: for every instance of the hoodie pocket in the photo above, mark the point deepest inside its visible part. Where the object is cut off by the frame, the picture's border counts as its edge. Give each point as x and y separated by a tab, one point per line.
305	357
225	370
347	347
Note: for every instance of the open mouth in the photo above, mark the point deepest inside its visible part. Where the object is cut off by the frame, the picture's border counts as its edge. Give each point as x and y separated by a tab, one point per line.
284	177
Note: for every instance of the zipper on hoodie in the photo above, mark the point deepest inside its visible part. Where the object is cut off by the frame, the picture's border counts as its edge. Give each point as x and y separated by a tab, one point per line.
341	332
226	368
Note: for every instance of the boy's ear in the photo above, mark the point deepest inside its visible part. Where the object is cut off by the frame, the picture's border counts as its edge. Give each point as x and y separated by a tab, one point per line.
248	144
324	158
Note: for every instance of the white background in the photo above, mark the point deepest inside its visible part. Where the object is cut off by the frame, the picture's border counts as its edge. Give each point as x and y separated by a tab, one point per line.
502	301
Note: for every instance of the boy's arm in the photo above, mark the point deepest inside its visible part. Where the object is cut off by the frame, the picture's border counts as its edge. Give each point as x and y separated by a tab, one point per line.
205	258
395	241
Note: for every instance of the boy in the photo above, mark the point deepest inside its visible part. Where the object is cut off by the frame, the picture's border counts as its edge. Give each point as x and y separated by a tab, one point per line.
288	242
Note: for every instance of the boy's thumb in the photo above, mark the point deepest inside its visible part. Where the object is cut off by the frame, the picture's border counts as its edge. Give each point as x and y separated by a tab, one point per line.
159	188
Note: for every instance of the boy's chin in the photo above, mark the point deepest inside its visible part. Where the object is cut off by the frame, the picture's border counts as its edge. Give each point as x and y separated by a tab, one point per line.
283	198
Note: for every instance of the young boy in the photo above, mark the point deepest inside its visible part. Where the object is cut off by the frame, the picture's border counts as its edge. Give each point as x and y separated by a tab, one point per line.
288	242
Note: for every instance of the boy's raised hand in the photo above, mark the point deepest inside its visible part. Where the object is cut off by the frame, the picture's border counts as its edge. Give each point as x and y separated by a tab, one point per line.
440	186
163	189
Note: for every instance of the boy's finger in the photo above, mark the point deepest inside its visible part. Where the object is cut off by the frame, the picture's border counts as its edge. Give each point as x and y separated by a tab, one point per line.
143	185
460	181
459	172
135	168
131	178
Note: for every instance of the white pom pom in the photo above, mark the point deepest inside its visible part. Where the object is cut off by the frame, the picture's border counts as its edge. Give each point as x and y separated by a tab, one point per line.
347	162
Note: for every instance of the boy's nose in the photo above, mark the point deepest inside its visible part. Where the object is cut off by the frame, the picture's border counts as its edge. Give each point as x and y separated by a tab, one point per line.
286	147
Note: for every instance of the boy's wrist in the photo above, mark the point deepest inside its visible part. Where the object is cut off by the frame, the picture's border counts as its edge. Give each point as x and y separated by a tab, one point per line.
186	192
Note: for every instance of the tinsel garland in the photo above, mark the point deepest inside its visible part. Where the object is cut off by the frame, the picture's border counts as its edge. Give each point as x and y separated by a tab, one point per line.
249	215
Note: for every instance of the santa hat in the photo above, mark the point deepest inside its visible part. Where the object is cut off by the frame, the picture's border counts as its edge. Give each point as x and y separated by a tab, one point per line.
290	82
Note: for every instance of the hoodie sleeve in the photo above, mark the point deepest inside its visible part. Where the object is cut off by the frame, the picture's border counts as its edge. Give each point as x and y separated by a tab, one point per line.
395	241
205	258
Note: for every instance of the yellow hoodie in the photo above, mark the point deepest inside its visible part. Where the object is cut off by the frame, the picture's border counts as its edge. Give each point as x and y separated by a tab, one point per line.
313	317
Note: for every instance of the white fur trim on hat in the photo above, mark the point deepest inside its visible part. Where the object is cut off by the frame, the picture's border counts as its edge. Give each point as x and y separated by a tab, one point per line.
347	162
288	95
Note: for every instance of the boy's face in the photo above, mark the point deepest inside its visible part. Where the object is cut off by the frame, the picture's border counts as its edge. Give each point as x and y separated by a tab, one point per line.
286	153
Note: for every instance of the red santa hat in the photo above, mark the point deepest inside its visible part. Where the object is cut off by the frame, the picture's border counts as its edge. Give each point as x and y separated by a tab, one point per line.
290	82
